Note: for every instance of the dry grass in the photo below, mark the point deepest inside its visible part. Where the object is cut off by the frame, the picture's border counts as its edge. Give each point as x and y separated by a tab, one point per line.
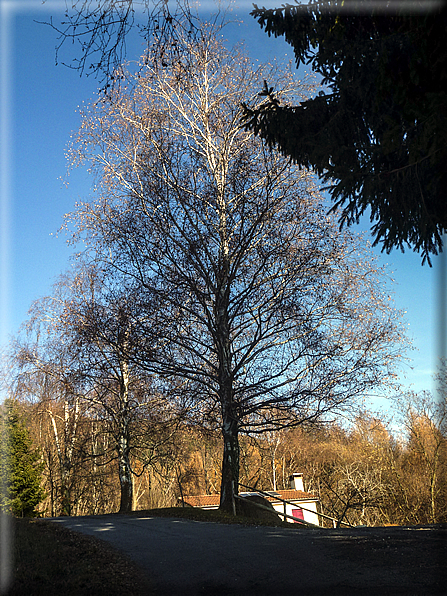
213	515
54	561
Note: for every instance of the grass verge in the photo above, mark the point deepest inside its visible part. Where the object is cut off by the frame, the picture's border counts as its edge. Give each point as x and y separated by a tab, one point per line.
210	515
54	561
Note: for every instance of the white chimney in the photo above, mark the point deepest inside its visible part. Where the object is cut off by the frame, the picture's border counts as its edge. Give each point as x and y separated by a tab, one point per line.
296	482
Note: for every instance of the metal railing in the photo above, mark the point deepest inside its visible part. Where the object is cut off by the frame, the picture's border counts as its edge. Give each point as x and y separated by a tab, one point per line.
296	519
284	514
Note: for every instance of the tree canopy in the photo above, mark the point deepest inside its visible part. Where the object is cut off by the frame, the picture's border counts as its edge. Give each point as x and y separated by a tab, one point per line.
377	133
376	136
268	316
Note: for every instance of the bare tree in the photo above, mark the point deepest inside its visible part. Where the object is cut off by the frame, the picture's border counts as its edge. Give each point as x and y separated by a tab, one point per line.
45	377
81	341
264	306
103	317
101	331
98	33
424	463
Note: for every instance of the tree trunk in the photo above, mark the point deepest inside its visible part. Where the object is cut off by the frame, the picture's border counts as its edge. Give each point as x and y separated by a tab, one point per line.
433	498
126	482
125	470
65	502
65	450
230	422
230	464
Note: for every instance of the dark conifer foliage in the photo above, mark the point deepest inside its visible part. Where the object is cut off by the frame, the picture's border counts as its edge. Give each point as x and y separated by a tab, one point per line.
20	465
377	134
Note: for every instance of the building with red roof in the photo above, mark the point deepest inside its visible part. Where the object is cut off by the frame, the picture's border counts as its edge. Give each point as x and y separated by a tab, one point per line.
295	501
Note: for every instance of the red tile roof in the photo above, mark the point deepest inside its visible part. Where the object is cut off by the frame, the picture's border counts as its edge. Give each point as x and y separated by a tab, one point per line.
214	500
203	500
294	495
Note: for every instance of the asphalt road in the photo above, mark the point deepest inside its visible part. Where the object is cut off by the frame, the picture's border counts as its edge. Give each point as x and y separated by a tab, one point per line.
202	558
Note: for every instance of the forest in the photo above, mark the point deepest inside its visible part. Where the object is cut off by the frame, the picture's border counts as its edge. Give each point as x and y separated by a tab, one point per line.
217	327
362	473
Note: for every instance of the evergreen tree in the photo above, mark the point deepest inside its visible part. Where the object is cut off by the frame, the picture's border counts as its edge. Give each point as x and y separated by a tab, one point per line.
20	468
377	133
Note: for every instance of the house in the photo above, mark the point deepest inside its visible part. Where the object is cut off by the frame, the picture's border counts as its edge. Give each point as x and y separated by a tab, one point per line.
299	503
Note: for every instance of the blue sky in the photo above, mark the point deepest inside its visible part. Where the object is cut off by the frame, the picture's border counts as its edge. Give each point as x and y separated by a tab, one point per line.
38	114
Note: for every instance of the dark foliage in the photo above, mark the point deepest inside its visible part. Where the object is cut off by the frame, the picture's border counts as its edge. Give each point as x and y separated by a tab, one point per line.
20	466
377	134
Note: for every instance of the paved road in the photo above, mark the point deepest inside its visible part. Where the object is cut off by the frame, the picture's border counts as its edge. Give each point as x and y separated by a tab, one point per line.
201	558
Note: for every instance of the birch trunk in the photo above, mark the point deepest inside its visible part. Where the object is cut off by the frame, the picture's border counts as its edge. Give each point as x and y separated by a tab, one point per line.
125	470
230	463
126	481
65	450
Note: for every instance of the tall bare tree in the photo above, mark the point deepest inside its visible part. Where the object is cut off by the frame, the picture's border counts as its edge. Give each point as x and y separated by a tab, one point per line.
101	328
272	314
80	342
422	472
103	318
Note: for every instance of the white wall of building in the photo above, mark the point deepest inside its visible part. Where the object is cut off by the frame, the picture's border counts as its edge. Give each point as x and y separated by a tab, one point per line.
308	516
